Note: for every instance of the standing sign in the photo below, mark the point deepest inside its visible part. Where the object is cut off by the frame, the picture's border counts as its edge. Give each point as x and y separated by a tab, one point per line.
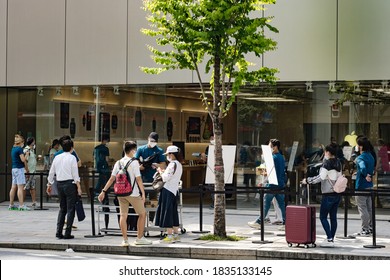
228	155
269	165
293	153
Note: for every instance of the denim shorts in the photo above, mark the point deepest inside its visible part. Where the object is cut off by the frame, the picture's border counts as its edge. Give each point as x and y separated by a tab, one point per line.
18	177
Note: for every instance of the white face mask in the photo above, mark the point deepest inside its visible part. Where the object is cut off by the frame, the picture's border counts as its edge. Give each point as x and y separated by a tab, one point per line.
152	144
212	142
356	148
169	159
34	147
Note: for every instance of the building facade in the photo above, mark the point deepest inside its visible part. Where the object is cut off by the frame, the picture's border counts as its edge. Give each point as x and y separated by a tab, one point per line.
73	67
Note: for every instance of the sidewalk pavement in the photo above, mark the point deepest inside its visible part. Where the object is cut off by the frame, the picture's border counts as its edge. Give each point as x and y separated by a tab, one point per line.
36	230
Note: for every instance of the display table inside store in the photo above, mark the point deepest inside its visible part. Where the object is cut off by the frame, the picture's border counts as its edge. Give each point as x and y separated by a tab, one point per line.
193	175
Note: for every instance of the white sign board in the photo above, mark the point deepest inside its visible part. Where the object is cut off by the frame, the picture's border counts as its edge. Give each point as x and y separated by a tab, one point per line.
269	164
293	153
228	155
347	151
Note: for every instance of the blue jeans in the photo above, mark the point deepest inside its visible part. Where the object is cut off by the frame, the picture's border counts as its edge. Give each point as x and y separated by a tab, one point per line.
267	204
329	205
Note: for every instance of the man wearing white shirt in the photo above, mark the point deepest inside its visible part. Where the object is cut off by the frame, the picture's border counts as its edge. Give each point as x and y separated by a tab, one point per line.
65	168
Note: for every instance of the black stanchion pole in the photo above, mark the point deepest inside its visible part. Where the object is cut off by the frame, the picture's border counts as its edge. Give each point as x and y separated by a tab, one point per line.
41	194
346	206
201	212
374	245
261	241
92	194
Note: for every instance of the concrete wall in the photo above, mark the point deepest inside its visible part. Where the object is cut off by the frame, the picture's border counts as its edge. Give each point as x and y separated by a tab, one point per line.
88	42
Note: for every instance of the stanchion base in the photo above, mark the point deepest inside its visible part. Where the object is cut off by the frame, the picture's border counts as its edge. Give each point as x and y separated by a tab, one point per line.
374	246
41	209
261	242
200	231
346	237
93	236
280	234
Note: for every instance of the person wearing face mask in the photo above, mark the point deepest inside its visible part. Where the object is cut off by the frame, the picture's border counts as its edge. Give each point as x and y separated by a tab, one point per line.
136	199
166	214
330	170
148	167
19	167
29	153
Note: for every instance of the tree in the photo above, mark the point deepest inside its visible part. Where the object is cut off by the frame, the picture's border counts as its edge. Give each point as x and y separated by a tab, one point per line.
219	33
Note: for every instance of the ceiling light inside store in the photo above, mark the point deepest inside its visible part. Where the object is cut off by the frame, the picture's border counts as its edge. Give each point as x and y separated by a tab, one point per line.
356	87
40	91
116	90
58	91
332	87
309	87
271	99
75	90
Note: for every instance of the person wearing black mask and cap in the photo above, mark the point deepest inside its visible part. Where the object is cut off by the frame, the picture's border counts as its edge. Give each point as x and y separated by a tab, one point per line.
150	157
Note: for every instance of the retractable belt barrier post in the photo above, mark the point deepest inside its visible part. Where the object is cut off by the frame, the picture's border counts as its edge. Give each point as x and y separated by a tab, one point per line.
41	192
201	211
261	241
92	194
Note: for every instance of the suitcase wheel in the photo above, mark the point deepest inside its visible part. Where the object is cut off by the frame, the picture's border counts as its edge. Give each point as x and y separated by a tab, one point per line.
306	246
314	245
183	230
289	244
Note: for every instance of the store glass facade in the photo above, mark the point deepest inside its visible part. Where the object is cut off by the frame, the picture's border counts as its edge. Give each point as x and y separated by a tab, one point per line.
291	112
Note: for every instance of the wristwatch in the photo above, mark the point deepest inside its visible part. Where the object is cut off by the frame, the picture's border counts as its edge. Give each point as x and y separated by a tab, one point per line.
103	191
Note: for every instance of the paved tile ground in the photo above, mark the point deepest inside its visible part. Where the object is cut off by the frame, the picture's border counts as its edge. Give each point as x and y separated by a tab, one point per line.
36	230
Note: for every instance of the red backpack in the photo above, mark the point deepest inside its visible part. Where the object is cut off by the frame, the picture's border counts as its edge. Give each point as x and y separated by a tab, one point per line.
122	186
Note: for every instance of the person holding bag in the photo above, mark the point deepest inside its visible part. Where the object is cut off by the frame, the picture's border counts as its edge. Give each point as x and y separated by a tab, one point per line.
330	170
167	215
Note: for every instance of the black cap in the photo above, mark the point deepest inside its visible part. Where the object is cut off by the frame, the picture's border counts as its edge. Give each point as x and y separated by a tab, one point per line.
153	135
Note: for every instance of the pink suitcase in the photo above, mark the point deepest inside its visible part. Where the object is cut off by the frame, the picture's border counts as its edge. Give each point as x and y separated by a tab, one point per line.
301	225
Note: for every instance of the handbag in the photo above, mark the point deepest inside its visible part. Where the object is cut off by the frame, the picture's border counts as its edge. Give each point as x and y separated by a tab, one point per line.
80	210
158	182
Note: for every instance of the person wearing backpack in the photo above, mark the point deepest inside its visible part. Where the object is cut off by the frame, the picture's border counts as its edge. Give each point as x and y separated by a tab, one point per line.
130	191
328	175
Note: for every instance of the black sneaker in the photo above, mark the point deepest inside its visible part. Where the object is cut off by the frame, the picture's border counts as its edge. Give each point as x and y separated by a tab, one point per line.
68	236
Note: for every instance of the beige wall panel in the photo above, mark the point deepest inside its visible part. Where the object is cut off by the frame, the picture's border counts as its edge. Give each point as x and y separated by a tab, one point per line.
139	55
364	40
36	42
306	39
96	42
3	42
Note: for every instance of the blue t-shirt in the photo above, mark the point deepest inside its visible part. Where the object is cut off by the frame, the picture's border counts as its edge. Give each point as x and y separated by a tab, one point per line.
365	165
142	153
61	151
100	153
15	156
279	169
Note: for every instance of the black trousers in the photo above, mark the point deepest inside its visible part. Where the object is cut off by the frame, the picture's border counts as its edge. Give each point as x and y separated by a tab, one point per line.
67	192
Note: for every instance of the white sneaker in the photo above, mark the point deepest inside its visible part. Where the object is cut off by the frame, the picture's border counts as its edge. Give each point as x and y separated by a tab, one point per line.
327	244
24	208
142	241
282	228
125	243
254	224
176	238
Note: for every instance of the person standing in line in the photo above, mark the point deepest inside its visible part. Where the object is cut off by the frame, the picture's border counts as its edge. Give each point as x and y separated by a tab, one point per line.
365	165
280	174
166	214
64	167
101	155
31	158
19	167
330	170
148	168
136	199
55	146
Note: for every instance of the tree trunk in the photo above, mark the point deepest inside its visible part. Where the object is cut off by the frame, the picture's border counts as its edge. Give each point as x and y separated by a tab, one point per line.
219	198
